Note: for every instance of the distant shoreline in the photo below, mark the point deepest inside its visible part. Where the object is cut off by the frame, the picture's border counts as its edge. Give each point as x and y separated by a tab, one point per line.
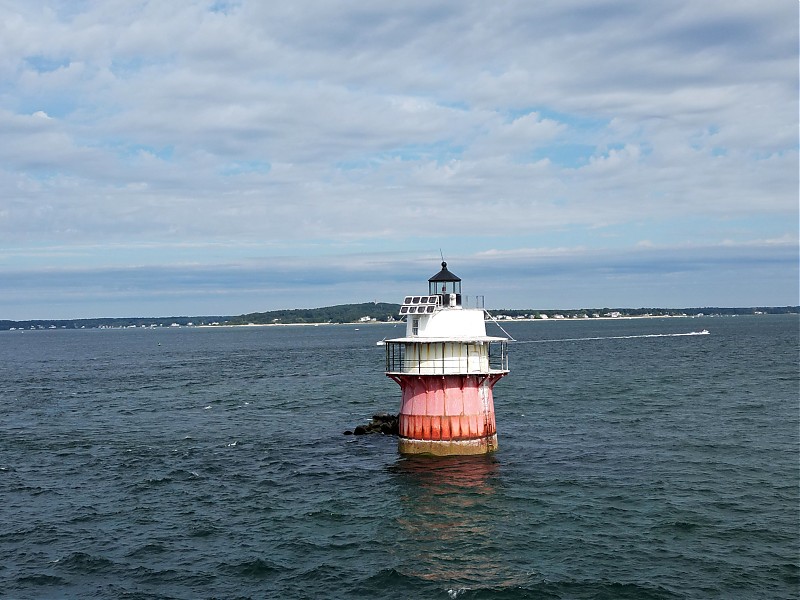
358	324
371	313
523	320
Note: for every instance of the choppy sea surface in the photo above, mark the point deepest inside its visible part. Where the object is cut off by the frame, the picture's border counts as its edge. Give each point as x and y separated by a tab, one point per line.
634	462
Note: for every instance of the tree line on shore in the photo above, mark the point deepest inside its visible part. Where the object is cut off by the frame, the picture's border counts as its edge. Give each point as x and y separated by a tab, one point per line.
367	312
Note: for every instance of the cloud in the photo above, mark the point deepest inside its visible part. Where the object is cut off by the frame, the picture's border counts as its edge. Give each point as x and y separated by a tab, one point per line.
312	129
569	277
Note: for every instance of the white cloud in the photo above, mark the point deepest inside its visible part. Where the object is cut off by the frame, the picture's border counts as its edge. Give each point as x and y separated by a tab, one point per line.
346	123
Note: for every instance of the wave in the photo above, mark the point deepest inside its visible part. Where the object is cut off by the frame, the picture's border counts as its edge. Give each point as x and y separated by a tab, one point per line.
257	568
391	583
84	563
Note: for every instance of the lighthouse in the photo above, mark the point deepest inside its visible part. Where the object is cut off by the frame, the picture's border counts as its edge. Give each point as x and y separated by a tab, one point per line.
446	367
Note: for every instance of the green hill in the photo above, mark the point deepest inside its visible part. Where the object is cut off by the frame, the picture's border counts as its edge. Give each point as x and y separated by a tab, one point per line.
343	313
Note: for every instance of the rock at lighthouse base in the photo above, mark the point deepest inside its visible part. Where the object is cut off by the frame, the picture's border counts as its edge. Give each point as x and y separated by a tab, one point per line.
381	423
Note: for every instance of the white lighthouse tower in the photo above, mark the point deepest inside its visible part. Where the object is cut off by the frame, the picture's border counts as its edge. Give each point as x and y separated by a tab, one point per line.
446	367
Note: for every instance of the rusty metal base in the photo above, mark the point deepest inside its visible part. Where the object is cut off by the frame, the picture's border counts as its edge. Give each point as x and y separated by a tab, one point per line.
447	448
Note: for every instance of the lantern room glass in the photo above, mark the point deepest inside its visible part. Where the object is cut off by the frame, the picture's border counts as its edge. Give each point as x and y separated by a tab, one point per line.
444	287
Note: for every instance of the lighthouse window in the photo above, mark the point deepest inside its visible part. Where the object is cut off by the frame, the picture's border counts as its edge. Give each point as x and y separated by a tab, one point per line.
415	327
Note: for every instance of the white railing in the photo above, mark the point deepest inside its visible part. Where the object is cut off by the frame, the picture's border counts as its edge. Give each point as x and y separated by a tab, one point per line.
446	358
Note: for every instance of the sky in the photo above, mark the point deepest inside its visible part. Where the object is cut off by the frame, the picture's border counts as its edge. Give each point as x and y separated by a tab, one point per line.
223	157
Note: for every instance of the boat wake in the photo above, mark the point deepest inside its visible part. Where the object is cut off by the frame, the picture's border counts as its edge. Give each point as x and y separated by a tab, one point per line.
616	337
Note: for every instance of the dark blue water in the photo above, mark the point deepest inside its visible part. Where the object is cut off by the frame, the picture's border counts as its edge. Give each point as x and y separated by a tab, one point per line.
210	463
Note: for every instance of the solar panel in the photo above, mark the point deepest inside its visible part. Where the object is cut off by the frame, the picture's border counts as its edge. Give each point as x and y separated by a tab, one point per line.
413	305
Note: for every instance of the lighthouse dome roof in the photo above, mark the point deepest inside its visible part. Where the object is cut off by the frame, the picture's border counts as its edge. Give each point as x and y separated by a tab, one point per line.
444	275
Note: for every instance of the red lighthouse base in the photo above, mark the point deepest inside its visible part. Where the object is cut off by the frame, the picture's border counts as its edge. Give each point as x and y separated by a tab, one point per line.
447	414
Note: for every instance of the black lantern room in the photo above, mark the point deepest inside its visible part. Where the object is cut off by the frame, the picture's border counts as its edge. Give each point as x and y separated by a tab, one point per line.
447	286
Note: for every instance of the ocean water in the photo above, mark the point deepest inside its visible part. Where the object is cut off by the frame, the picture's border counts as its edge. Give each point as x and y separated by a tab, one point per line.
634	462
